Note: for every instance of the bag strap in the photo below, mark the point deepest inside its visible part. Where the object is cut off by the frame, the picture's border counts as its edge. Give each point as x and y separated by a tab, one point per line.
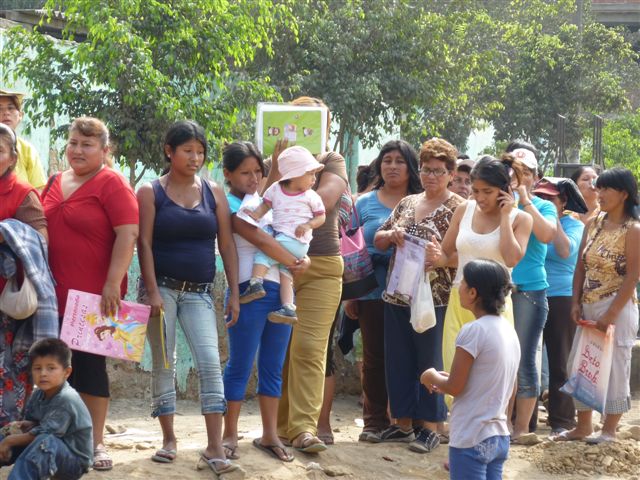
354	216
46	189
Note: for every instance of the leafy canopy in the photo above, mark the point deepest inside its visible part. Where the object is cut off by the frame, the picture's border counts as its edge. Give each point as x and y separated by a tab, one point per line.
145	64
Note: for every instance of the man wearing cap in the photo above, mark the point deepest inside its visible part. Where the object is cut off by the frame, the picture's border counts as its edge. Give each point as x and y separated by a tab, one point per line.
29	168
529	297
461	182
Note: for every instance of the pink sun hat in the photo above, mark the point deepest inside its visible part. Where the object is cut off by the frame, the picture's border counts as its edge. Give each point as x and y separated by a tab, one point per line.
296	161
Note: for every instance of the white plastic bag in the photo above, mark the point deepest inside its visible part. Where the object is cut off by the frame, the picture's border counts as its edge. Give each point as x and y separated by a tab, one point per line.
19	303
590	366
423	313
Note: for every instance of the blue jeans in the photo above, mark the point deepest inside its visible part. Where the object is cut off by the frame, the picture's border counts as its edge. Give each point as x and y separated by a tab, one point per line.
197	317
482	461
253	333
530	311
45	457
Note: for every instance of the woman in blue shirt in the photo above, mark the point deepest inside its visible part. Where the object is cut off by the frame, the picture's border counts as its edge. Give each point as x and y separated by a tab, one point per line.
396	168
560	263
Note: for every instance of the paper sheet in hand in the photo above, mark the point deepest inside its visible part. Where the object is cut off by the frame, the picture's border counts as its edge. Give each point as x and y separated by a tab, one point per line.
407	266
300	125
251	202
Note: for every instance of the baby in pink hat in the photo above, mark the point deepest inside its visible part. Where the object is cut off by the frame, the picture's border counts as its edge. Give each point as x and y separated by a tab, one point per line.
297	210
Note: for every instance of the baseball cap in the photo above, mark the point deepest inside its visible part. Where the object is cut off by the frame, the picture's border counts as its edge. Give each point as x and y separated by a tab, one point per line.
526	157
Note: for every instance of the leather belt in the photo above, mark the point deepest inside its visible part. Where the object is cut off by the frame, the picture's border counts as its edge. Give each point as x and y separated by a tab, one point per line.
183	285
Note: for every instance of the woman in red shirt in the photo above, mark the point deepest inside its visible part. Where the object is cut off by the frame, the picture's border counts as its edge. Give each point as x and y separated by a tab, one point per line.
20	201
92	215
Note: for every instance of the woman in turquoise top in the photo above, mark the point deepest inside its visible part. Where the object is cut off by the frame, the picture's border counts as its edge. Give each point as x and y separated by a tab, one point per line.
396	168
253	336
529	297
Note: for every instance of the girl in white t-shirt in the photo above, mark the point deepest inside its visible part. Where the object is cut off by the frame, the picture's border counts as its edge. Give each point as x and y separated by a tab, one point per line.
297	210
482	377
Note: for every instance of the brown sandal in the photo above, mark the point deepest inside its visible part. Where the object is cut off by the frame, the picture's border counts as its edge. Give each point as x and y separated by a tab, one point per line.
308	443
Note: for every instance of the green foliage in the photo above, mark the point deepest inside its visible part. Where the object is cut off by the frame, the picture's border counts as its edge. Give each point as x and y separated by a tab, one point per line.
145	64
425	68
556	69
386	64
620	143
441	68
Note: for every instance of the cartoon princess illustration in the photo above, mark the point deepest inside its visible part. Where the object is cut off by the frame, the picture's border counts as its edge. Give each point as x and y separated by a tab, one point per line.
128	332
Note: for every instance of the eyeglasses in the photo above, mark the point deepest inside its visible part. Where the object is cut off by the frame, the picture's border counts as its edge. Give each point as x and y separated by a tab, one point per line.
436	172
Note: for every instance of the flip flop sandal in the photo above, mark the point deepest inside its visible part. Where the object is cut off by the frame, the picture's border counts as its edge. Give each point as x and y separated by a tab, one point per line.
597	440
227	466
285	441
230	451
273	451
564	437
327	438
309	444
164	456
102	462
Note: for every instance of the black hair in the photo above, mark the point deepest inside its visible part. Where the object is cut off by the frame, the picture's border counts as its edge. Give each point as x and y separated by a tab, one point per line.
363	177
463	156
575	176
53	347
183	131
492	282
497	172
622	180
410	158
516	144
235	153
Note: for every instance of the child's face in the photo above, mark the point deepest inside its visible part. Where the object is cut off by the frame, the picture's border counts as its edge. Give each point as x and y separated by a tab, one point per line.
49	374
304	182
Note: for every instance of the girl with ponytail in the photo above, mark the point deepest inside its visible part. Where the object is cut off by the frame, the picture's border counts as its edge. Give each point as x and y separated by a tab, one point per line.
482	377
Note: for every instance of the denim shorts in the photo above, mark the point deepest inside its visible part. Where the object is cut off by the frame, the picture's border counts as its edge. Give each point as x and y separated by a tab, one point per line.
530	309
482	461
293	246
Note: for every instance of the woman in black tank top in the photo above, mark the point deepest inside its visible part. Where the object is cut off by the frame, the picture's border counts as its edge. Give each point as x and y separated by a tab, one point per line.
181	215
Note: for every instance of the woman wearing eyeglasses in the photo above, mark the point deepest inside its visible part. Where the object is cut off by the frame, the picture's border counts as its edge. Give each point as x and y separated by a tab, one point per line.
408	353
487	227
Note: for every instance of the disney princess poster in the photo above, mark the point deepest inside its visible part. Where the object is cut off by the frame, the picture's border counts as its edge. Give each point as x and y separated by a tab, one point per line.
119	336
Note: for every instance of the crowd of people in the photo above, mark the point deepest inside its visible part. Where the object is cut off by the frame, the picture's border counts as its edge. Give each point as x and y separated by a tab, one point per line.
515	260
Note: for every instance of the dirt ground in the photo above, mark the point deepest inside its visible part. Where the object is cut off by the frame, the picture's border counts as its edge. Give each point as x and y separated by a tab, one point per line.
347	459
